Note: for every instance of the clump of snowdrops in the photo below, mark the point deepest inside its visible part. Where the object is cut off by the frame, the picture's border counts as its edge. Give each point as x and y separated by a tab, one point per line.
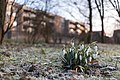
79	57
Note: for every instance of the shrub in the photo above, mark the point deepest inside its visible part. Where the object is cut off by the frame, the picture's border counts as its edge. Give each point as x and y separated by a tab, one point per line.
78	57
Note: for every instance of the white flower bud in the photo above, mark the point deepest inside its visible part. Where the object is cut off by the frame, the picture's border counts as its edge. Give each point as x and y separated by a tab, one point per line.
72	43
79	50
95	48
89	49
94	56
70	49
64	52
86	60
90	59
75	55
81	46
80	57
87	52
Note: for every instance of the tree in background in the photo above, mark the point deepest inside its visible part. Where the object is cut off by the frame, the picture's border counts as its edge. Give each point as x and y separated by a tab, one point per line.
47	28
42	26
88	16
100	7
116	5
90	20
84	10
6	22
3	4
42	22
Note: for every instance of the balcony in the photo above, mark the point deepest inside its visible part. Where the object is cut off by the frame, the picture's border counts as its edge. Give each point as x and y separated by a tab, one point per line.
27	23
29	15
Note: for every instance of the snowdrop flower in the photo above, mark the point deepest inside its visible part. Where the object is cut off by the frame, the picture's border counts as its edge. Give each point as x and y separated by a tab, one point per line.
80	57
86	60
90	58
94	56
64	51
70	49
95	48
87	53
81	46
88	50
75	55
79	50
72	43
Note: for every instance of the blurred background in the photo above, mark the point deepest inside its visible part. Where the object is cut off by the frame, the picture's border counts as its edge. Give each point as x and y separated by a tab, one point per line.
60	21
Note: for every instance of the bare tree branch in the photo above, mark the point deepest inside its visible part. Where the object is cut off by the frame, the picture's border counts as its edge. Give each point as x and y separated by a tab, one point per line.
11	20
100	7
116	6
98	4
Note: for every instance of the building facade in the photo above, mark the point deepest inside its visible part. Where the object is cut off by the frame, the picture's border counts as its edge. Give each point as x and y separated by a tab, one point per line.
32	23
38	25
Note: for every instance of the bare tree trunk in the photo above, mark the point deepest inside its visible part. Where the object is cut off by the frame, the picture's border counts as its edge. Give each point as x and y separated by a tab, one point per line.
90	20
102	33
102	22
100	7
1	34
2	18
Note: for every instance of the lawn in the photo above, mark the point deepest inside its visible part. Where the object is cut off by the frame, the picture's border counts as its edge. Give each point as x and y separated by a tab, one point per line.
20	61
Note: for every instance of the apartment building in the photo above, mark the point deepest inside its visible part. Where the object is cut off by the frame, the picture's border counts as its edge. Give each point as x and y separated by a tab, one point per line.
28	19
